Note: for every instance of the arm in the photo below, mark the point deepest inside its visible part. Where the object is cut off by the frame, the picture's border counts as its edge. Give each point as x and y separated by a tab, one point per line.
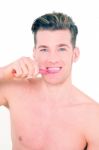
93	130
22	68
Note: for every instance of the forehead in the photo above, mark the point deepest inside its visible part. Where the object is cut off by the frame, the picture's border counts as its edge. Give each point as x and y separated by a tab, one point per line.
47	37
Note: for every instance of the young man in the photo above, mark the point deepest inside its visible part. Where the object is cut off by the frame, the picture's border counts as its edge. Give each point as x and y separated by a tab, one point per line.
48	112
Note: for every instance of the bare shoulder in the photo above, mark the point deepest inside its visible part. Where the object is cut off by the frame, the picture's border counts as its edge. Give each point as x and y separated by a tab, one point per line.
83	98
91	123
87	104
90	110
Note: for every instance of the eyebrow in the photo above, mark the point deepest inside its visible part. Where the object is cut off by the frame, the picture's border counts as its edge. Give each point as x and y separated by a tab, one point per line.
42	46
59	45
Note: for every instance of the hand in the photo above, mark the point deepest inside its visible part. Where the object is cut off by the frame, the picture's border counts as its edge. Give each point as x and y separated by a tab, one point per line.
24	67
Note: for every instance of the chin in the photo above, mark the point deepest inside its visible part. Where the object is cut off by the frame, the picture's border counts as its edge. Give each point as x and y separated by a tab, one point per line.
58	78
54	81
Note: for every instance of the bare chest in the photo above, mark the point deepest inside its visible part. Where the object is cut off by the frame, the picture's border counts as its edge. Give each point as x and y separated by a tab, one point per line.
41	126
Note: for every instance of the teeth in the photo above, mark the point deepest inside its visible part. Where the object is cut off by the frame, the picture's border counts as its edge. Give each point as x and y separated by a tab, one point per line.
53	69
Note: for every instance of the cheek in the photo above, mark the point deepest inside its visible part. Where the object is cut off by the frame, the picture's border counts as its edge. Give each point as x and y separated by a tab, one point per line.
67	59
41	61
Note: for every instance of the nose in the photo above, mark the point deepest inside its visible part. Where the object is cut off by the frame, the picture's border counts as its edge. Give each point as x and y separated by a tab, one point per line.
53	58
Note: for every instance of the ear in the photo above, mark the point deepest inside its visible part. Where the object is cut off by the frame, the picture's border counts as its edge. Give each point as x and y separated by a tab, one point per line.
76	54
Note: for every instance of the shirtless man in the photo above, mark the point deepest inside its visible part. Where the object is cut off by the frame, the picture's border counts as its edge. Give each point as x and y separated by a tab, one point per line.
48	112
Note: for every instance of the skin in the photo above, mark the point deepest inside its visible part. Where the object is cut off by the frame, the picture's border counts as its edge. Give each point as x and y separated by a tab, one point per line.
49	112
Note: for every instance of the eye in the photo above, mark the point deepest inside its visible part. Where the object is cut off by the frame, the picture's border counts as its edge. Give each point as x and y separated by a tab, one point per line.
44	50
62	49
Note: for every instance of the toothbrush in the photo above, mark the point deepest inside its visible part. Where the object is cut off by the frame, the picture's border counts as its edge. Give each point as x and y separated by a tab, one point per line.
41	71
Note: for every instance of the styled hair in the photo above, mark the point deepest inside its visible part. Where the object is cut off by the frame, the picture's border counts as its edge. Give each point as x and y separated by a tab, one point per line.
55	21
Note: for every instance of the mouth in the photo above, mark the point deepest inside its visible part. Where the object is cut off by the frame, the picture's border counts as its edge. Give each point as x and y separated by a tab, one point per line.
53	69
50	70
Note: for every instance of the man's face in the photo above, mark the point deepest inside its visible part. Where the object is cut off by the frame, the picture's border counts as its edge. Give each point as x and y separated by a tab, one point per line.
54	52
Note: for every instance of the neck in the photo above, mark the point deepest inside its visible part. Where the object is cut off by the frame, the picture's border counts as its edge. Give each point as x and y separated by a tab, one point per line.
58	91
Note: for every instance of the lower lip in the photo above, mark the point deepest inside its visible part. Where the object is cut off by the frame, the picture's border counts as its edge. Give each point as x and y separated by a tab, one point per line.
52	71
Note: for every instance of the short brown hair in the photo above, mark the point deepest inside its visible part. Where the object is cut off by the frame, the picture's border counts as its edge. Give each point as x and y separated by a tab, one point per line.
55	21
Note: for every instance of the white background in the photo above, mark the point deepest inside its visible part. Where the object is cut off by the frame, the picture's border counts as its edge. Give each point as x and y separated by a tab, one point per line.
16	40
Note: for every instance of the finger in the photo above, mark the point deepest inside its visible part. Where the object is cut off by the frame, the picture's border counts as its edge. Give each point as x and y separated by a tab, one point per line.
24	69
17	70
31	67
36	69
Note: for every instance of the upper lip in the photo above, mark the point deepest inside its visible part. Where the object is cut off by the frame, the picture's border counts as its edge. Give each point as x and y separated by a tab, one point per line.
53	67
